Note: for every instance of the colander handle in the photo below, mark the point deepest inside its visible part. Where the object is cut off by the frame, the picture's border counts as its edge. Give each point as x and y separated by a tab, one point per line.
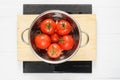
86	40
22	36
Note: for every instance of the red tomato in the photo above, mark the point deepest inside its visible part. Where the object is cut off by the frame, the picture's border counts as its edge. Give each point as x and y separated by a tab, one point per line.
63	27
54	38
48	26
42	41
66	42
54	51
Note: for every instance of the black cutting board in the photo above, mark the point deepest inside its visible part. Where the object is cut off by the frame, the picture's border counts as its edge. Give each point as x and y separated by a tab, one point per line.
73	9
69	66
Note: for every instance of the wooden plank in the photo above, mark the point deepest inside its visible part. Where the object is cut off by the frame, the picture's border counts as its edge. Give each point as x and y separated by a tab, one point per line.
87	23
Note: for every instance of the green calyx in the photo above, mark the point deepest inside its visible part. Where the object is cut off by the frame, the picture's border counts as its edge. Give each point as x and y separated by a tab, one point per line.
53	51
48	26
61	40
63	25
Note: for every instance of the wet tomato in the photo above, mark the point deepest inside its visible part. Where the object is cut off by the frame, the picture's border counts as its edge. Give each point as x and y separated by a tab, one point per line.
48	26
54	51
66	42
42	41
63	27
55	37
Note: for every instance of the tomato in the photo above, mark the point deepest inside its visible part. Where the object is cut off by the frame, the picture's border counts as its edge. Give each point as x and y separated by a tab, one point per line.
54	38
63	27
66	42
42	41
54	51
47	26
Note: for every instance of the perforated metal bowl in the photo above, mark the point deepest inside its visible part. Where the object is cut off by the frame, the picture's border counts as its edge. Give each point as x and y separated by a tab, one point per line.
55	15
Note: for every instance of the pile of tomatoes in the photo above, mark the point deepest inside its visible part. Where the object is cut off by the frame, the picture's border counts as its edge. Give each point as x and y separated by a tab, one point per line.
55	37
